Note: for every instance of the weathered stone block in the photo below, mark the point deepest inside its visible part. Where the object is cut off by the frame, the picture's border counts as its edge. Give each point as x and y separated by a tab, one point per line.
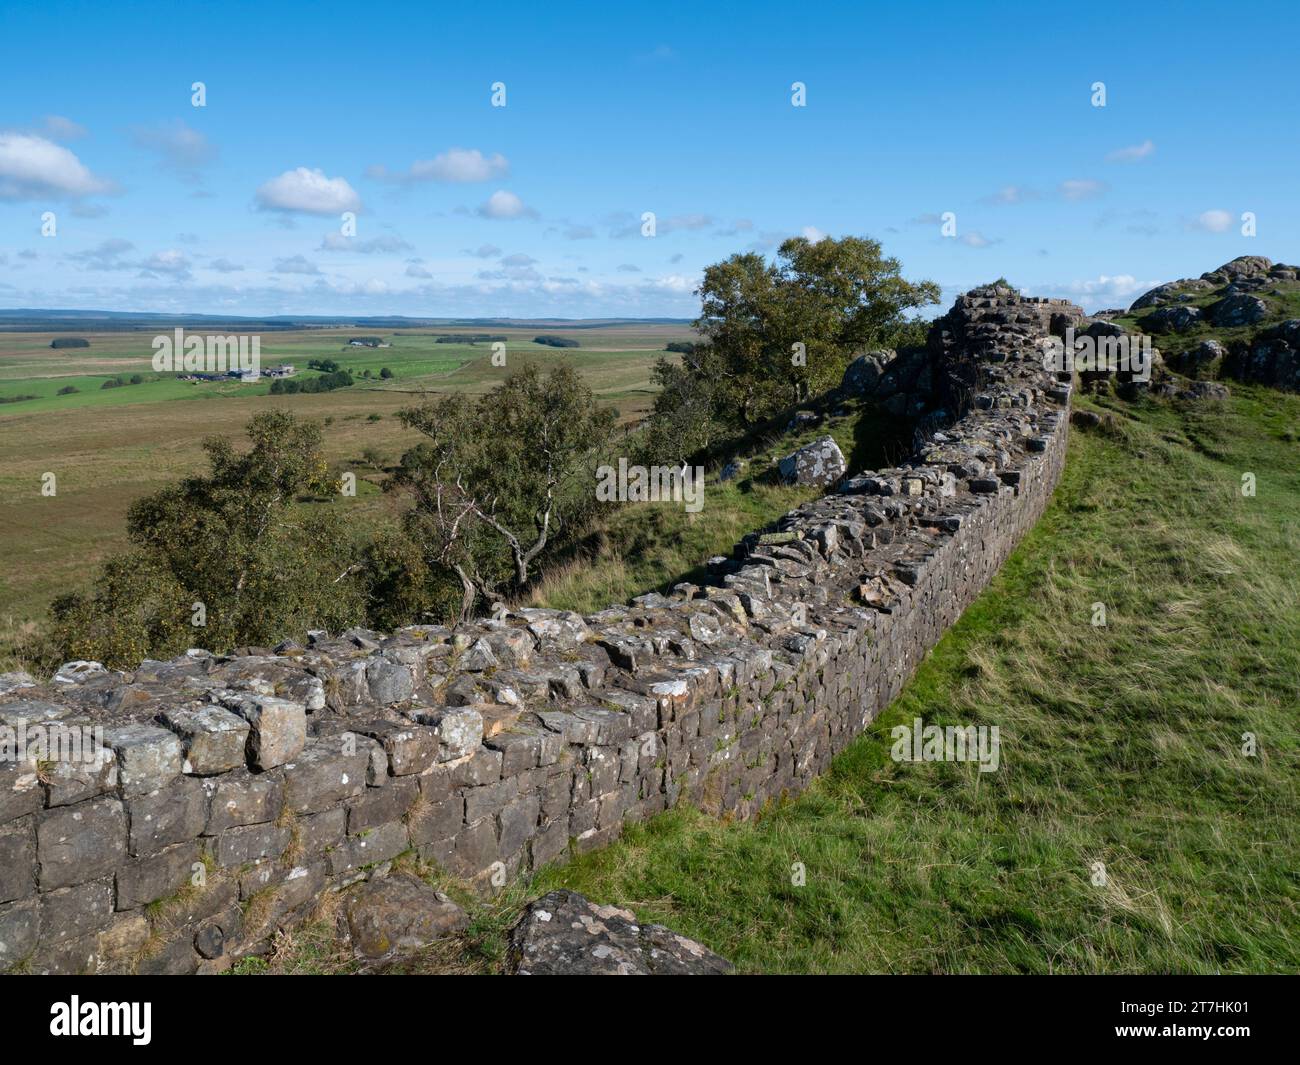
20	790
326	771
437	820
141	881
171	814
213	739
373	846
68	782
147	757
316	833
252	843
243	798
278	728
75	844
410	749
20	928
17	859
70	913
518	823
380	805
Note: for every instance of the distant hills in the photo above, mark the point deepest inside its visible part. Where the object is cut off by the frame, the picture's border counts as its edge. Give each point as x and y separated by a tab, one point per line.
53	320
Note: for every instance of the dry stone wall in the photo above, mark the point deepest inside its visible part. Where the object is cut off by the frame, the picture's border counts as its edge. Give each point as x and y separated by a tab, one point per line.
224	794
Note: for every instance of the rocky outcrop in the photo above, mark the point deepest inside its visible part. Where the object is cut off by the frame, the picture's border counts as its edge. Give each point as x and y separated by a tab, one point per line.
1242	274
1271	358
562	934
223	795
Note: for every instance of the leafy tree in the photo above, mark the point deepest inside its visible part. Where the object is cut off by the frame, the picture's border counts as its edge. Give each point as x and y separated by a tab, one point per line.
385	373
829	297
682	422
499	478
235	540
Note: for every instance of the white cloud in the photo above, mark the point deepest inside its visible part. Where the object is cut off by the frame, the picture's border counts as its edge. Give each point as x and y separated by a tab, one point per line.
973	238
295	264
812	234
1106	290
309	192
416	270
169	263
684	221
224	266
388	243
485	251
1010	194
1213	221
107	255
178	146
33	168
502	204
456	165
1082	189
1132	153
63	129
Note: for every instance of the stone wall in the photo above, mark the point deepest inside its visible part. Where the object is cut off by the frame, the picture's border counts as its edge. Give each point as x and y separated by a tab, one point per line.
230	792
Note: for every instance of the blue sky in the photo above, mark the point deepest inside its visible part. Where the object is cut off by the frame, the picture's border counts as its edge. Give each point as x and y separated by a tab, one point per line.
533	209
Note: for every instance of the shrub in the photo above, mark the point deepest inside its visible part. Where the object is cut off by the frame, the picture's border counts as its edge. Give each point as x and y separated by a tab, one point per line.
235	540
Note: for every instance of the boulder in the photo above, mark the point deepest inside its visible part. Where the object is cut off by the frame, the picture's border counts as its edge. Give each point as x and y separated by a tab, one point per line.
1172	319
819	463
563	934
864	372
1204	390
396	915
1238	309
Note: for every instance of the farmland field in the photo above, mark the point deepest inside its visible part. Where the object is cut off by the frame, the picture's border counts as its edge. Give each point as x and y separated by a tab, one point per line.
107	447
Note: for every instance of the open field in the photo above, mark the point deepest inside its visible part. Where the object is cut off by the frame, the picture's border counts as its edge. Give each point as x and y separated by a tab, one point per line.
1121	745
107	447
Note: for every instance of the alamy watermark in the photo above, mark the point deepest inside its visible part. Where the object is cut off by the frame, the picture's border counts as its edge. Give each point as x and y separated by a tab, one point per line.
1130	353
239	354
919	742
651	484
52	741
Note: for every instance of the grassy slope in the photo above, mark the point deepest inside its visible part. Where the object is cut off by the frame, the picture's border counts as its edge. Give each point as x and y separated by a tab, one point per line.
1120	745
